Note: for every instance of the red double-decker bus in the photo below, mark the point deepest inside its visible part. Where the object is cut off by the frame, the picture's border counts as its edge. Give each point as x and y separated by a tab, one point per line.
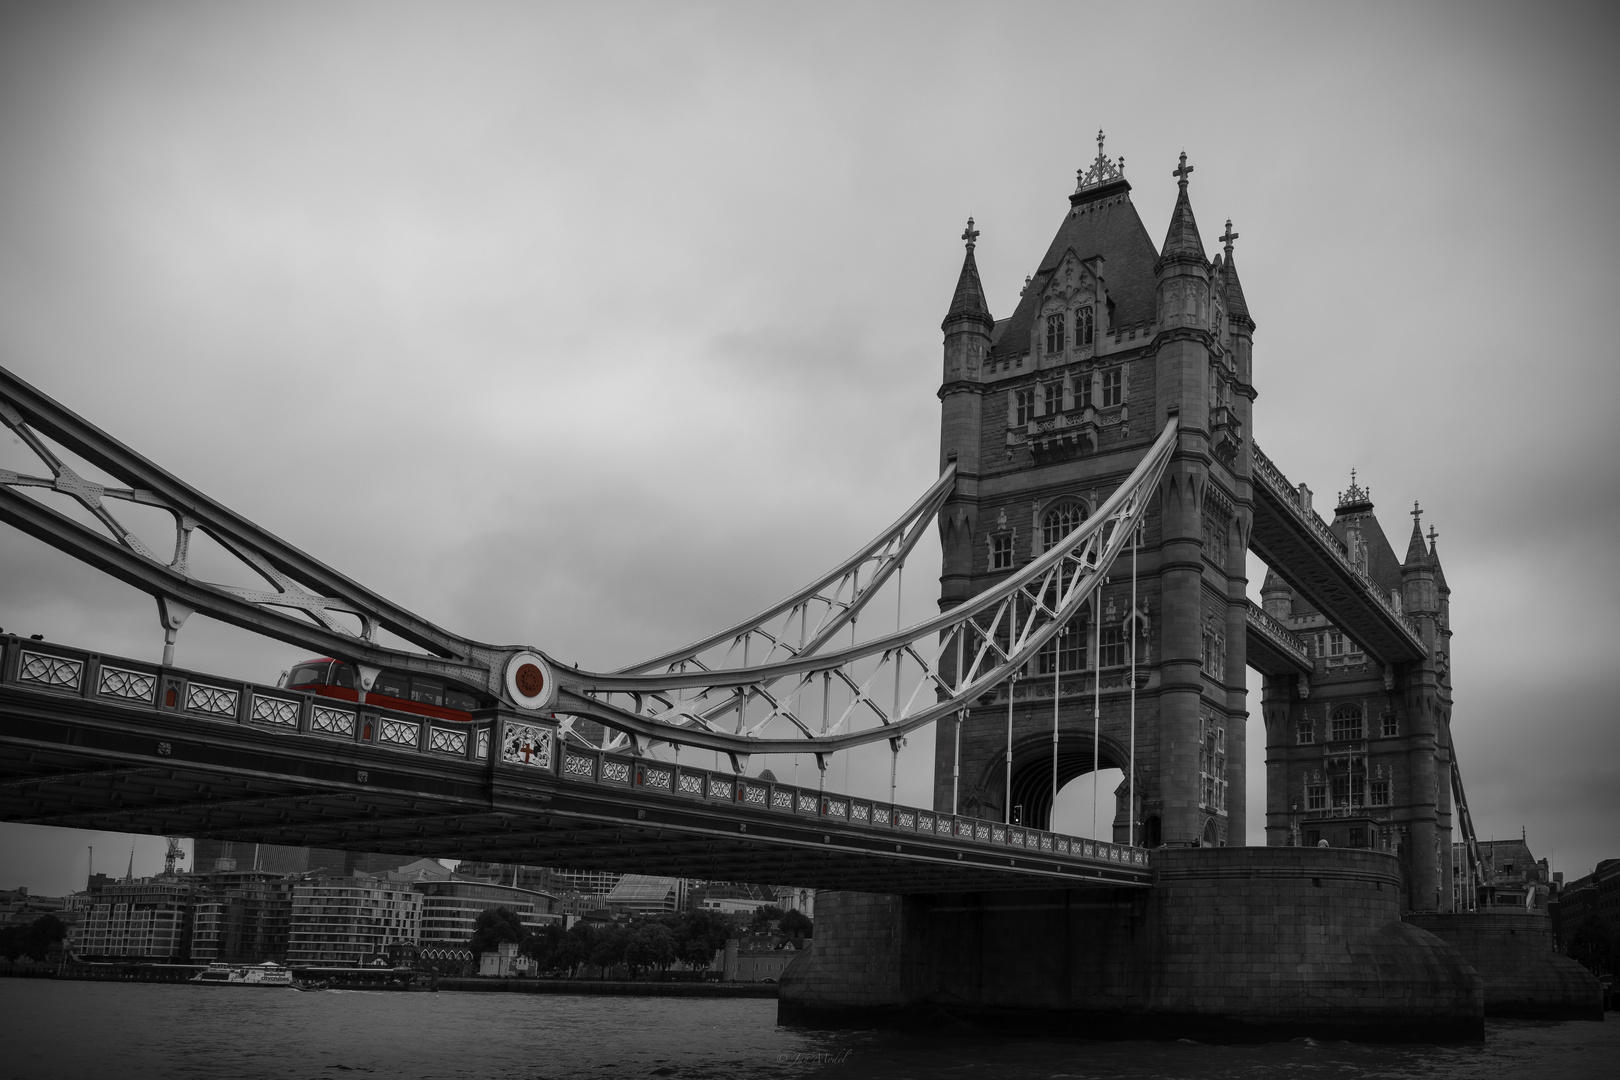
425	695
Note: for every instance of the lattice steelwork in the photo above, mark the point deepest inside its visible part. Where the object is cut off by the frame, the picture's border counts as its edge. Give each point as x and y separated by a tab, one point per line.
776	683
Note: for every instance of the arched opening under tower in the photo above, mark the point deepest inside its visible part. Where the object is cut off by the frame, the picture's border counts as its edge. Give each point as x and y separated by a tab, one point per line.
1087	805
1080	788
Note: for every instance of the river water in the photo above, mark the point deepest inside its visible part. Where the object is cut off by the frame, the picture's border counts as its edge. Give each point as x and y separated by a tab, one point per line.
117	1030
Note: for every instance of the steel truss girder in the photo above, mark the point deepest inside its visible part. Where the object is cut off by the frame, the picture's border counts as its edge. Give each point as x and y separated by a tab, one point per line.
1052	589
296	582
680	705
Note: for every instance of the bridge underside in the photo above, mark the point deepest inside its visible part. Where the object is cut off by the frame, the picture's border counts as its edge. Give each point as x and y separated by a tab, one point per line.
80	763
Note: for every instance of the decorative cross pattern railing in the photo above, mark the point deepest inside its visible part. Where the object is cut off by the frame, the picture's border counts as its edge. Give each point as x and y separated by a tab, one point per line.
1275	632
1289	496
530	750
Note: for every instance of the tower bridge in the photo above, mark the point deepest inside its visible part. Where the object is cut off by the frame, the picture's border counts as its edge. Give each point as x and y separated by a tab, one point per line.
1099	490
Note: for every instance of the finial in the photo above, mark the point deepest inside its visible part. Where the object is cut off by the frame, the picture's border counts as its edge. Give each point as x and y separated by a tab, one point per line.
1102	170
1417	512
970	234
1025	289
1183	171
1432	536
1226	238
1355	494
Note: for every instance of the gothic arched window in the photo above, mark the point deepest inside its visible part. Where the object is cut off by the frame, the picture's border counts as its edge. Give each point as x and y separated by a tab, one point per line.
1083	321
1059	522
1054	333
1346	723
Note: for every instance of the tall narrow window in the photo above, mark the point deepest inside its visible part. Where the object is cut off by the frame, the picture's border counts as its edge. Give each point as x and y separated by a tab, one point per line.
1054	398
1212	764
1380	792
1305	733
1335	643
1054	333
1059	522
1025	406
1391	726
1113	388
1083	326
1112	650
1082	392
1001	552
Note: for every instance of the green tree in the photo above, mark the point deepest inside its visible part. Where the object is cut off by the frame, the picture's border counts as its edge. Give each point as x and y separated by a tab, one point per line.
34	940
543	946
796	924
699	935
493	927
764	917
576	946
650	945
608	948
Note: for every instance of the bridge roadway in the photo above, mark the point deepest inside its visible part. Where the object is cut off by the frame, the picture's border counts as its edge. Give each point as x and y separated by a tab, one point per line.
101	742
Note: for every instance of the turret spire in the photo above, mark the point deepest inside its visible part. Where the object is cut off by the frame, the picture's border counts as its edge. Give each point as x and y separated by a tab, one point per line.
1236	304
1416	553
1183	241
968	301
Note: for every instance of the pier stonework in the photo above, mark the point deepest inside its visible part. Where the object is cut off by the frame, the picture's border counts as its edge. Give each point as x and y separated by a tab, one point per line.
1524	976
1228	944
1045	413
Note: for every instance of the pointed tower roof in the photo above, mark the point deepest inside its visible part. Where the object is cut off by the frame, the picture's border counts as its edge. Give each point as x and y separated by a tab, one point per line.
1416	553
1100	220
129	875
1182	240
1236	305
1434	559
968	301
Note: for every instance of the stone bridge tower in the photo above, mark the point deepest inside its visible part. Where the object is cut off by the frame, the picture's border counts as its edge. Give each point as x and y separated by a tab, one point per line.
1045	413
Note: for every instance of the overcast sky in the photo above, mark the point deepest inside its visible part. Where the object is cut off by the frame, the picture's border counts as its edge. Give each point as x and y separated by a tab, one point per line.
597	327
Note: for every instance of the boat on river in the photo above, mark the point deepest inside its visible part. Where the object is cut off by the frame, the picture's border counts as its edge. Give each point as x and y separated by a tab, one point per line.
266	974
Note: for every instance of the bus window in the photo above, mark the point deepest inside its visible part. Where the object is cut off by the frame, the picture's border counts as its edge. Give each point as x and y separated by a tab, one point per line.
427	691
394	685
456	698
344	676
308	675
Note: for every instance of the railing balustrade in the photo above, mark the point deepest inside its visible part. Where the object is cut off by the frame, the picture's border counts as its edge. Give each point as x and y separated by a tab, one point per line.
526	744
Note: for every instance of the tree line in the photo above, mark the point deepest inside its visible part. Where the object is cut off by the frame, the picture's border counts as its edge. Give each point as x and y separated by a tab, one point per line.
654	943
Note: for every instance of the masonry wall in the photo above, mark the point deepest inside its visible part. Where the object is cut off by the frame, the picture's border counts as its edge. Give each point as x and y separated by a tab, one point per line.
1523	975
1228	944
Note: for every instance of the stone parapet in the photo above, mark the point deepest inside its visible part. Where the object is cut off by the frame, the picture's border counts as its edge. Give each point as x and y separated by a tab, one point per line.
1523	975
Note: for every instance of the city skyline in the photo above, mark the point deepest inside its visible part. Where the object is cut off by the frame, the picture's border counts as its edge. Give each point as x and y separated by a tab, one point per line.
559	332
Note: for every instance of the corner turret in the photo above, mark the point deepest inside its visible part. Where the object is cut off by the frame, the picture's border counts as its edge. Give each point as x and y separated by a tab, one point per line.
1418	595
1276	597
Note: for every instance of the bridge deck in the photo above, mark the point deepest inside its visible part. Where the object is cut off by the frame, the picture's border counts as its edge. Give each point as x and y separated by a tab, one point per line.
106	743
1293	541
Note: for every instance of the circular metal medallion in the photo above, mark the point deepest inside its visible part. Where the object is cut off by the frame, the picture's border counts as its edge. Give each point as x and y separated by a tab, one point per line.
529	681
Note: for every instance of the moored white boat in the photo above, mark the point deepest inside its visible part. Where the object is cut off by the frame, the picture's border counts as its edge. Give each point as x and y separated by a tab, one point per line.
266	974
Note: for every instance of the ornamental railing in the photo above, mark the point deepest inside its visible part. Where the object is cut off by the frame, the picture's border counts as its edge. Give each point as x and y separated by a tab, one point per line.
528	747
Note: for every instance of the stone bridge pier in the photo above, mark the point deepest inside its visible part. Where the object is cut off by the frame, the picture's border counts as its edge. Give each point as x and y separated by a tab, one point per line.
1228	944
